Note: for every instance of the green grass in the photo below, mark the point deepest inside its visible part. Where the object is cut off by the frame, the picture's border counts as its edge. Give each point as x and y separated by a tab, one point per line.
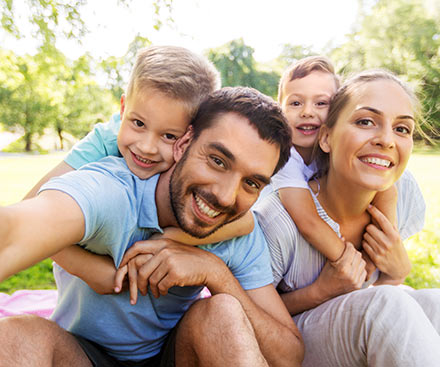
19	173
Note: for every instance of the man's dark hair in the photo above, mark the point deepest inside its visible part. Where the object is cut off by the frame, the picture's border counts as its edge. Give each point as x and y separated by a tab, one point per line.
261	111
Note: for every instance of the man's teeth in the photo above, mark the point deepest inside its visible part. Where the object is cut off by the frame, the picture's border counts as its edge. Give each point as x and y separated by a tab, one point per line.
205	209
143	160
377	161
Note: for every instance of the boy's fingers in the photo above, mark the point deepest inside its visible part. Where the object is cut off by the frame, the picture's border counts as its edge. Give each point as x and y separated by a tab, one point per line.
132	278
119	278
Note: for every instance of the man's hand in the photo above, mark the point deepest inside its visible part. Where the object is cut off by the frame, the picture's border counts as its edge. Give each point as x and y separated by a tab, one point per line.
384	246
344	275
162	264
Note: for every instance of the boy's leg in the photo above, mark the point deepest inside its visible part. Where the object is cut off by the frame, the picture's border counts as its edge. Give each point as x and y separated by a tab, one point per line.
216	332
33	341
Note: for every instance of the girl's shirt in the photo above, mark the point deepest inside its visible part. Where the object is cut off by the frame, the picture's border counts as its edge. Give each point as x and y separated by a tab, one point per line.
295	173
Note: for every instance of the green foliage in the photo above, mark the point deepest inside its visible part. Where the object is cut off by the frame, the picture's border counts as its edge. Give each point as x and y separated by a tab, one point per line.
404	37
237	66
37	277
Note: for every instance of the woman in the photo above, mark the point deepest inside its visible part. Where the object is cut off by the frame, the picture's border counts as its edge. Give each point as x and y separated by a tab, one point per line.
364	149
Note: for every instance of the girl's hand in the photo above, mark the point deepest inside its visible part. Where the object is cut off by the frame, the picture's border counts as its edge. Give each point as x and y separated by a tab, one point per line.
384	246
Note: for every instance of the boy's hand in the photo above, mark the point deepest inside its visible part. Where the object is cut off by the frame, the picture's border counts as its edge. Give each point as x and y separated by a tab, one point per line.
384	246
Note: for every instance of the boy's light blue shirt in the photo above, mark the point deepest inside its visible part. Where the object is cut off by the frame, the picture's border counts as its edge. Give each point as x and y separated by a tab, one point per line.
120	209
99	143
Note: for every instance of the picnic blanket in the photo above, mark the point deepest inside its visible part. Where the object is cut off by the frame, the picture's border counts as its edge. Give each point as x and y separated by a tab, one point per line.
36	302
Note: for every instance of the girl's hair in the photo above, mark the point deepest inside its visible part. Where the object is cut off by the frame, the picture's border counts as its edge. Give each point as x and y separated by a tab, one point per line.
342	98
303	67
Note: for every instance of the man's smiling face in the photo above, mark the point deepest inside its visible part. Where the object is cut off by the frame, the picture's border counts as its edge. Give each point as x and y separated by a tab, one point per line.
220	175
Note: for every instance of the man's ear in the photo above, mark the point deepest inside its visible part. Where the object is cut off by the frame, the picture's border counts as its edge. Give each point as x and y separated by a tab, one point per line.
121	112
182	144
324	139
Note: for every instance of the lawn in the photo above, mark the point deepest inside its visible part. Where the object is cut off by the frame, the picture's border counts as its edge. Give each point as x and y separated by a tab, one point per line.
19	173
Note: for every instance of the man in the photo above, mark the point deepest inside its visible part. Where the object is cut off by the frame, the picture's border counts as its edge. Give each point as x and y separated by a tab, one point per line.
238	139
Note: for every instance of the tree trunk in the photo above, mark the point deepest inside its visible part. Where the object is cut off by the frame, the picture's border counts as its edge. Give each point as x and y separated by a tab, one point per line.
60	136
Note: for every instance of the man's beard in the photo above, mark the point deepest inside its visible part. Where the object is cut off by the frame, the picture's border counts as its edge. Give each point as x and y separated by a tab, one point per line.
177	200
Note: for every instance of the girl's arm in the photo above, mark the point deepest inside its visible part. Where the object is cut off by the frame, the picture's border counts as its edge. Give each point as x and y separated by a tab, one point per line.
299	204
343	276
239	227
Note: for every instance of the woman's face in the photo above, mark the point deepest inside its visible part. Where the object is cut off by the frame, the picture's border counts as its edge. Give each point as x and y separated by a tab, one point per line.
371	141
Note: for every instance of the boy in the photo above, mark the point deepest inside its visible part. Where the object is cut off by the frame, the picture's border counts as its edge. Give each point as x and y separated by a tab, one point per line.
166	86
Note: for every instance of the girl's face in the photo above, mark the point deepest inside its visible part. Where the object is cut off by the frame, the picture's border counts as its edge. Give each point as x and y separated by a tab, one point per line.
371	142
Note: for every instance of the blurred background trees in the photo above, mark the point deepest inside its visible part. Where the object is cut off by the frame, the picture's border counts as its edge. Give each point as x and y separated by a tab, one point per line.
47	90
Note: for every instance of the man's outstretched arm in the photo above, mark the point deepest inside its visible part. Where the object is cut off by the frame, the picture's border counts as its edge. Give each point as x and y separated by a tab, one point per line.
35	229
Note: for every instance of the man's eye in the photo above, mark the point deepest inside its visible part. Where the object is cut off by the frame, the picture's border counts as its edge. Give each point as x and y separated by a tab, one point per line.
170	136
252	183
218	162
138	123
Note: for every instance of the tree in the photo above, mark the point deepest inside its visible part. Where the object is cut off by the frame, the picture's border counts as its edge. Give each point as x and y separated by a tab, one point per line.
237	66
401	36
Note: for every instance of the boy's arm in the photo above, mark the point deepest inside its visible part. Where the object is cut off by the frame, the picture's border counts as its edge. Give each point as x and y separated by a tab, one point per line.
240	227
79	262
299	204
35	229
58	170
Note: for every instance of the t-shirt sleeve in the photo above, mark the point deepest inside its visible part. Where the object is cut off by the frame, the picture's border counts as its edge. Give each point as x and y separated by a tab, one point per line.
99	143
105	203
247	257
411	206
291	175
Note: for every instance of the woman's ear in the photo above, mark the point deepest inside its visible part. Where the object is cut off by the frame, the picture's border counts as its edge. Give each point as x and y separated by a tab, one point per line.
324	139
182	144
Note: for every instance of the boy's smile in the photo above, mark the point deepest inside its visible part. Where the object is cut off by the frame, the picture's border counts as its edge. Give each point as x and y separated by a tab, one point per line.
151	123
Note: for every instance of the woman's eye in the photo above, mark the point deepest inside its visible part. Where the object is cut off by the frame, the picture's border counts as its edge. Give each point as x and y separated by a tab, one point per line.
170	136
403	130
138	123
364	122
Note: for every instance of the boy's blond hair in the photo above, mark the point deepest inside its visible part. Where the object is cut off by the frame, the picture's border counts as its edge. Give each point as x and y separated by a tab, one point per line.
176	72
303	67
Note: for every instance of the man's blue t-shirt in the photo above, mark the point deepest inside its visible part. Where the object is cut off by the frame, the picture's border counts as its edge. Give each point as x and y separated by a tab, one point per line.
119	209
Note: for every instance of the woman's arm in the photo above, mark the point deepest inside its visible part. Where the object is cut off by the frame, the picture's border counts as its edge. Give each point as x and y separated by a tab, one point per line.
342	276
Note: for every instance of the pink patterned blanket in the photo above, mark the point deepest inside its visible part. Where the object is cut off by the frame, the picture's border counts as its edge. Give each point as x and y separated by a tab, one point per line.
37	302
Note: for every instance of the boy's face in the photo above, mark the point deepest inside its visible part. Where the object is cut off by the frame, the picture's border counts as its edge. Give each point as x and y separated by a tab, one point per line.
306	102
151	123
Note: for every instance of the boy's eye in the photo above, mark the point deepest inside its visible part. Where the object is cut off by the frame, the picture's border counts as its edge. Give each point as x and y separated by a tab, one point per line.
138	123
322	103
169	136
295	103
